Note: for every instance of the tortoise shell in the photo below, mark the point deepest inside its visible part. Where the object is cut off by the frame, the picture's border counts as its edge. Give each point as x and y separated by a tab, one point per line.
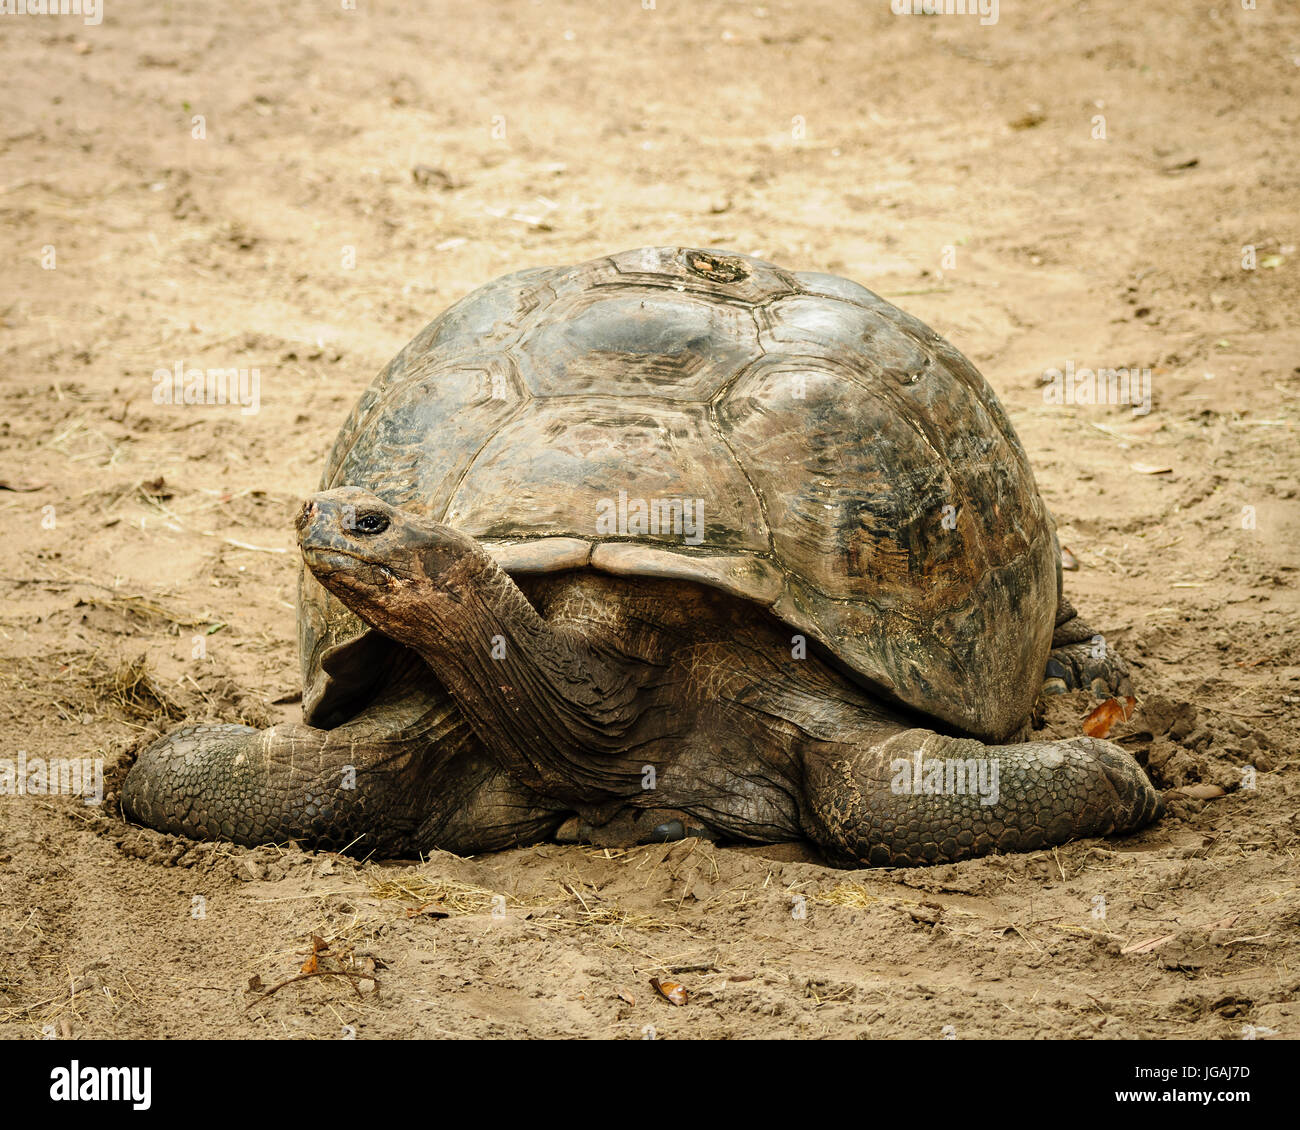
845	467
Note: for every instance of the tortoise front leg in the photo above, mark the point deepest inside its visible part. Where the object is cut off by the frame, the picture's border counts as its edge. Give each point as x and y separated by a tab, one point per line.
874	787
909	796
404	776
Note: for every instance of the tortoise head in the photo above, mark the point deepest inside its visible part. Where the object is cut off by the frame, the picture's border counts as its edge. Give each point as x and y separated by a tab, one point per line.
380	561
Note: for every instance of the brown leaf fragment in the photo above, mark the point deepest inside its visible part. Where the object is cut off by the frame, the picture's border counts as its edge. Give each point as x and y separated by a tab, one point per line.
1201	792
318	946
1098	724
156	488
671	991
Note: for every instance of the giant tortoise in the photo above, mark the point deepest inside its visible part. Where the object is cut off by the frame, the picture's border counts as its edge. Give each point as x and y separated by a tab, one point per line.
670	542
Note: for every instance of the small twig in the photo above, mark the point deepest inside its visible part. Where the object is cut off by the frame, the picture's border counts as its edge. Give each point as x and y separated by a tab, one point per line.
1234	713
1057	860
1026	937
243	544
575	894
316	973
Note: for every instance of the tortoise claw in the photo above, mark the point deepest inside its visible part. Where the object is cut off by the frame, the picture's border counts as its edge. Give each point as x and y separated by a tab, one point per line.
1079	666
1056	679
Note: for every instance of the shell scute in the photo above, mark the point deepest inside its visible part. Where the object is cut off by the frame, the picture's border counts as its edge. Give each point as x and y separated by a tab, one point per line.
632	341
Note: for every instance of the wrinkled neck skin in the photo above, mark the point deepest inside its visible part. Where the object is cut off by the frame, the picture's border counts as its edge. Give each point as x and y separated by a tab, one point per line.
562	707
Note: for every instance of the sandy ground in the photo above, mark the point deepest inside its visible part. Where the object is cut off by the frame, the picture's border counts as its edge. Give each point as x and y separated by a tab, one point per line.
1078	183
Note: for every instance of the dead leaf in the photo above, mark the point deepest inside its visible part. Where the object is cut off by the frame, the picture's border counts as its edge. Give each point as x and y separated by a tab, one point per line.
1148	945
1100	721
1150	468
625	996
318	946
671	991
1068	561
156	488
21	485
428	910
1201	792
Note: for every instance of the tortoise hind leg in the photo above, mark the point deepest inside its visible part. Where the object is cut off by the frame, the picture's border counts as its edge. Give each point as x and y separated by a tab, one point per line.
1082	658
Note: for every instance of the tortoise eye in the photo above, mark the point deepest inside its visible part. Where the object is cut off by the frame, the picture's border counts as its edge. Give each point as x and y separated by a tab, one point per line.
371	524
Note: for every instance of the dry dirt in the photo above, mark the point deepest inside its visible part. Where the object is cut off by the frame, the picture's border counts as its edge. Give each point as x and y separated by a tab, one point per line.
956	168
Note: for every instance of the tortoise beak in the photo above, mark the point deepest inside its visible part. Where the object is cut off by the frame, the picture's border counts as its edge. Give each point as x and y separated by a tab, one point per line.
305	516
328	543
314	524
318	527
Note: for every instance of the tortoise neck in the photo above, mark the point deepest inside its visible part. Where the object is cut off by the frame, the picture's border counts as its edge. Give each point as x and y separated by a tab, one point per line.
556	706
